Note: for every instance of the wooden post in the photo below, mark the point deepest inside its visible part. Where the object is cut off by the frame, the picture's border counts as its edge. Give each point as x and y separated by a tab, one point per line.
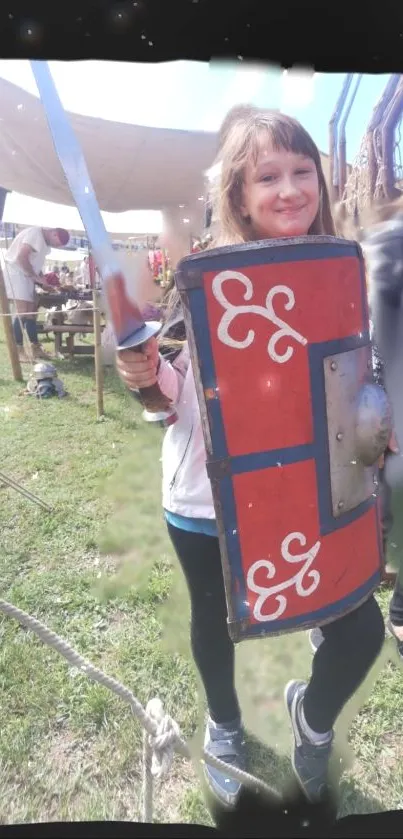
99	370
8	331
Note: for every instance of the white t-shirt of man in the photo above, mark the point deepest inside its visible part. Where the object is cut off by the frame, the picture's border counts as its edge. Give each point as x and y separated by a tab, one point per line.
19	286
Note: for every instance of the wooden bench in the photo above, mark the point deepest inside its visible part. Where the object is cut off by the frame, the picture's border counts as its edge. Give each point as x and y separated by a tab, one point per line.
70	330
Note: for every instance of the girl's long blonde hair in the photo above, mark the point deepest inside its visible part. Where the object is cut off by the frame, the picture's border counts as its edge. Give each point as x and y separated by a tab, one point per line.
242	141
241	134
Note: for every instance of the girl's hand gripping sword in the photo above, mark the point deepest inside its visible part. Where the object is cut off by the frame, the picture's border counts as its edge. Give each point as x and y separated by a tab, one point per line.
131	331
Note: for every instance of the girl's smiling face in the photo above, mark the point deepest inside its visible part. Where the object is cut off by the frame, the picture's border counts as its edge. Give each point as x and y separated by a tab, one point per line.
280	193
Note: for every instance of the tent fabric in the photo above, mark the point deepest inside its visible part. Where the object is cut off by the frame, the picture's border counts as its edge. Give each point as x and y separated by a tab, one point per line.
60	255
132	167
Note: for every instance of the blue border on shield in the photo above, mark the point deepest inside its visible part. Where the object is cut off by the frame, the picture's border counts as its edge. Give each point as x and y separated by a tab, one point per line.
318	450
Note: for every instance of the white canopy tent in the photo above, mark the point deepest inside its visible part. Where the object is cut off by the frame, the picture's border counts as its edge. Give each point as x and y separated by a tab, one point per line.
60	255
131	167
55	254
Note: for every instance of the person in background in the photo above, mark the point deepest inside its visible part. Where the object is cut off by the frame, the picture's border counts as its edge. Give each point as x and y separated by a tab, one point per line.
64	273
52	279
23	265
82	277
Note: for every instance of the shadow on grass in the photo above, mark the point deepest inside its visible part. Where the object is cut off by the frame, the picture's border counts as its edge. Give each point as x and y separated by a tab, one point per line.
9	382
352	800
82	366
78	366
258	815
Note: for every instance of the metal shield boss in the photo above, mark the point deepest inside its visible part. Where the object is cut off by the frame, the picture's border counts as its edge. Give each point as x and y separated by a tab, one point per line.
293	424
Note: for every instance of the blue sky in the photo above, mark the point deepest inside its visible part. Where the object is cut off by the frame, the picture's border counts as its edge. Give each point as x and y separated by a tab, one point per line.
188	95
316	115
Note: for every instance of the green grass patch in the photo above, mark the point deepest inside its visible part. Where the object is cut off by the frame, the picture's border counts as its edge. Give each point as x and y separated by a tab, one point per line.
99	570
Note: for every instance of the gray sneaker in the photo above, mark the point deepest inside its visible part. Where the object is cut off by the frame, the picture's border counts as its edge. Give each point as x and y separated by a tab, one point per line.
309	761
315	638
228	745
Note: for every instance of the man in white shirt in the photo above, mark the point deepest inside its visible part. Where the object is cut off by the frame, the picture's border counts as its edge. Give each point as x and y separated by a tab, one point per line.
82	274
23	266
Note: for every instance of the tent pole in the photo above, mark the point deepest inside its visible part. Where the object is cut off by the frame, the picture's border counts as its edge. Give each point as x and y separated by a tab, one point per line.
5	310
99	372
8	331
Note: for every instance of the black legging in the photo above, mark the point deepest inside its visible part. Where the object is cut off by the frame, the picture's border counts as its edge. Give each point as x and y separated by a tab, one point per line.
351	644
31	328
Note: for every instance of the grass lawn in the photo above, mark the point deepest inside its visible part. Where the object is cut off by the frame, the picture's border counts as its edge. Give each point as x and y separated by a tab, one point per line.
99	570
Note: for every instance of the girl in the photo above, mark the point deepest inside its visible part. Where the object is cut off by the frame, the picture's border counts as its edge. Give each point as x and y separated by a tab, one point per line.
270	185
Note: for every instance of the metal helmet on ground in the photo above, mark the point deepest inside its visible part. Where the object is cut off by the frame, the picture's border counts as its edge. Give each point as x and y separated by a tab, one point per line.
44	370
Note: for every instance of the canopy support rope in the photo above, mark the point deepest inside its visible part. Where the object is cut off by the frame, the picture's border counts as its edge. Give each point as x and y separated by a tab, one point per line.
161	737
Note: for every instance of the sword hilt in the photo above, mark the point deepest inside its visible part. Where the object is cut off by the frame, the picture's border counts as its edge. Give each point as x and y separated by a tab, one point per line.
158	408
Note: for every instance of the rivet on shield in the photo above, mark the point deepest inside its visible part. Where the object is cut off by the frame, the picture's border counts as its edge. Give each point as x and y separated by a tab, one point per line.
340	505
339	436
333	365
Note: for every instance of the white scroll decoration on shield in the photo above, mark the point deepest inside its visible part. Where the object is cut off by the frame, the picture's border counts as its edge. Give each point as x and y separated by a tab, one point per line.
232	312
265	592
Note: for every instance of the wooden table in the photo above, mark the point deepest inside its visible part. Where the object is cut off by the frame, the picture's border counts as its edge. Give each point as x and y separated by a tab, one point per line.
70	330
48	299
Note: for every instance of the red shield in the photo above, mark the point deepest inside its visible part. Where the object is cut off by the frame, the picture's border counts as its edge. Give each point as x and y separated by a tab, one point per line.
279	338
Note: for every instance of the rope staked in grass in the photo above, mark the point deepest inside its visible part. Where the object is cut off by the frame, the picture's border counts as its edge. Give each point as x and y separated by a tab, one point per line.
158	753
14	485
147	786
161	737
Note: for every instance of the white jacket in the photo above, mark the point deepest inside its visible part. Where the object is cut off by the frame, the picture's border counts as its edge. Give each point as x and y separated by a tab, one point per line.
186	488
